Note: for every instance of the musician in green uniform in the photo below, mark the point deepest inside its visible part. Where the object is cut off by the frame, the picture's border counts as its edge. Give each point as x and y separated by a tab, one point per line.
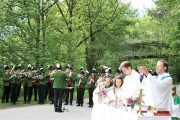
29	84
34	82
82	81
59	86
6	87
14	85
19	82
25	84
48	85
70	86
76	83
41	86
91	86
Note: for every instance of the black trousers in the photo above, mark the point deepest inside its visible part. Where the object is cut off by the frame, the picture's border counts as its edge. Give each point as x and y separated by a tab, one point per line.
18	91
71	92
25	92
90	92
80	96
52	93
35	91
29	89
48	91
77	93
6	92
58	94
14	90
41	93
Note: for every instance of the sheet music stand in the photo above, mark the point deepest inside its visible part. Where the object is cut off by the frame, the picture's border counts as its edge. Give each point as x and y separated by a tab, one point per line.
64	103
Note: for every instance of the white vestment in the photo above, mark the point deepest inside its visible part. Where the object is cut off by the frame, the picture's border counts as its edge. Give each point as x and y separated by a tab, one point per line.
158	91
131	85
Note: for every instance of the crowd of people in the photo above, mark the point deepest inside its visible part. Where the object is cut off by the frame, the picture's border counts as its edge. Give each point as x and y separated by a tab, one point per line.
42	85
111	90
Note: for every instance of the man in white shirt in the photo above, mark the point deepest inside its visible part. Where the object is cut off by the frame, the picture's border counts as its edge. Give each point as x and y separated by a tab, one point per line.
158	89
131	85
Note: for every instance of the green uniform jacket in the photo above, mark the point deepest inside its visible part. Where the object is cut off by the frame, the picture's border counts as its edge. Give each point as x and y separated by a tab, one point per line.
29	84
73	77
24	80
35	81
15	79
47	77
6	79
42	80
84	81
59	79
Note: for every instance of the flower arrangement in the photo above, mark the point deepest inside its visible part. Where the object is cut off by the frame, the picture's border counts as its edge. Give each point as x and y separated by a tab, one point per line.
132	101
102	94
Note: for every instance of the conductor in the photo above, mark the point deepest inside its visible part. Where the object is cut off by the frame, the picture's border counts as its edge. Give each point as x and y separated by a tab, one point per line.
59	86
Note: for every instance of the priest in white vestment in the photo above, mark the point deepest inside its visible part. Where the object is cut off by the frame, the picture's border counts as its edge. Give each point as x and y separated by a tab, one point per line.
131	85
158	89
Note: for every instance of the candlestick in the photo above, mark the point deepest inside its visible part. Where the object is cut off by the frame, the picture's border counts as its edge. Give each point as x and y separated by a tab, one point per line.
140	105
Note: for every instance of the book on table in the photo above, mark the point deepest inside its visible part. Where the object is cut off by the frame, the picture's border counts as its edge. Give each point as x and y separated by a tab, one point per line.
156	113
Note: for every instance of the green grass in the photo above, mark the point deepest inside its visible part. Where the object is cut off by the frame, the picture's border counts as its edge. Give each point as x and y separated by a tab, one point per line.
20	102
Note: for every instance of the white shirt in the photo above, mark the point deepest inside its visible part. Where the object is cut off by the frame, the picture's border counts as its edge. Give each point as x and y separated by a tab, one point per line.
158	91
131	85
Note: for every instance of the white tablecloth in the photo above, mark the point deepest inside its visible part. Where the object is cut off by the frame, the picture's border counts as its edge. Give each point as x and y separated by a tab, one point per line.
104	112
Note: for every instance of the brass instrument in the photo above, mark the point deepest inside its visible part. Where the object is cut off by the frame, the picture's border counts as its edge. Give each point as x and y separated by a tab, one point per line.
86	72
29	74
14	75
51	73
104	67
80	81
23	73
12	70
91	79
